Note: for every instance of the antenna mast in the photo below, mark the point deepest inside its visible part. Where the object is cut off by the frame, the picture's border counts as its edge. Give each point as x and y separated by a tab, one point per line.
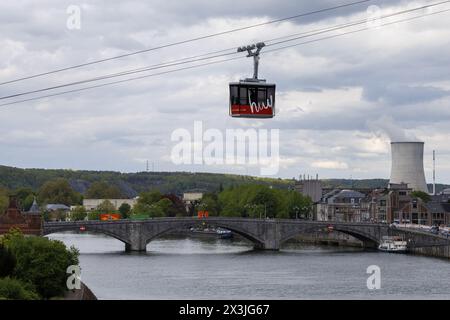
434	172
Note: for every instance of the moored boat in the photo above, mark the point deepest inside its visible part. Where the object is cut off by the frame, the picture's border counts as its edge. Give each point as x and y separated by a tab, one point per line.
211	232
393	244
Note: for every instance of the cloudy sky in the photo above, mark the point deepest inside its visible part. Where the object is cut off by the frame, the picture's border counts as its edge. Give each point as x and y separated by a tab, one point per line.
339	101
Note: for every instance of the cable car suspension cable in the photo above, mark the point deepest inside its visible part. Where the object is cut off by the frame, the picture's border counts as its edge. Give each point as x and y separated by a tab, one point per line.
219	61
187	41
212	55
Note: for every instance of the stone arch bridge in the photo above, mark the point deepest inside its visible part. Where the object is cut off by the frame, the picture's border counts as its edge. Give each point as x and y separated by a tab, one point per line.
267	234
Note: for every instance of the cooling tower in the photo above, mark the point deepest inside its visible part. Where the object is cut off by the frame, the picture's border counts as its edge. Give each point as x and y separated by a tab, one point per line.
407	165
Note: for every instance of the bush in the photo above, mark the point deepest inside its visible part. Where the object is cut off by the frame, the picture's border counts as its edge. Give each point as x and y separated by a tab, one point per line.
42	263
125	210
422	195
7	261
78	213
16	289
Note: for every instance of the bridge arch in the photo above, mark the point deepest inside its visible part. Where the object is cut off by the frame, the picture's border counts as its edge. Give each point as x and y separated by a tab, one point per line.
247	234
126	241
367	239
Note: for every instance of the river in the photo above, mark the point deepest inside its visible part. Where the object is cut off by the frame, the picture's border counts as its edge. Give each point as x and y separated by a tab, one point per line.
184	268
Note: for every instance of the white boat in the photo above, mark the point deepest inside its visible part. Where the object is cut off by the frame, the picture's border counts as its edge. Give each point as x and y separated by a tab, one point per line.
393	244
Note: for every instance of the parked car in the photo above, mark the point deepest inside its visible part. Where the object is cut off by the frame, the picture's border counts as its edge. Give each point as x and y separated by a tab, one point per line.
434	230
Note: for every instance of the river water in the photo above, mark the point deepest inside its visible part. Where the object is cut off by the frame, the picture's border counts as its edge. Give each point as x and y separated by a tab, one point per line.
184	268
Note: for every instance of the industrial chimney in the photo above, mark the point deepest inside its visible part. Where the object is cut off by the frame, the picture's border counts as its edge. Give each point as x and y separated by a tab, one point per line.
407	165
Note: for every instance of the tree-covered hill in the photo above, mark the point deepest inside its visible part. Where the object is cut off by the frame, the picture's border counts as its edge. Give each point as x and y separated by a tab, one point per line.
131	184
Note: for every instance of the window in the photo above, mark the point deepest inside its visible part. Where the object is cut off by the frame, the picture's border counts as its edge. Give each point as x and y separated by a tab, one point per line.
243	95
262	95
271	93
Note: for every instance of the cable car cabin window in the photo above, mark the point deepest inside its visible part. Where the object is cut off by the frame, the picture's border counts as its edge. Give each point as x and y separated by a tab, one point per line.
243	96
262	95
234	94
252	100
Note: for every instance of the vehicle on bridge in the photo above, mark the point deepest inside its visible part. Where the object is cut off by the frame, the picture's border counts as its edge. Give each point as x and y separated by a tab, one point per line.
109	216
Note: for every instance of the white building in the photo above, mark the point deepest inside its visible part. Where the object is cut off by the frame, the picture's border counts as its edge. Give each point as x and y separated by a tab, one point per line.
92	204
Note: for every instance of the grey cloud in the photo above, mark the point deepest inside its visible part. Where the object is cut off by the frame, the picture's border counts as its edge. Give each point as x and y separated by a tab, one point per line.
134	120
397	94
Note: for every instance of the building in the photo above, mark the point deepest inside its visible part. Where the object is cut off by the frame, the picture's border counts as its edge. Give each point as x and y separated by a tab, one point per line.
343	205
57	207
92	204
385	205
190	199
407	165
439	209
29	223
34	207
310	188
396	204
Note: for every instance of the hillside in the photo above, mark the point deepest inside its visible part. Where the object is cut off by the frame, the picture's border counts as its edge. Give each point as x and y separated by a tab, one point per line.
131	183
167	182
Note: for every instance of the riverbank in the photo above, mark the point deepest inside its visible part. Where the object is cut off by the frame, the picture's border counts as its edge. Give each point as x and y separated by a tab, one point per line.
437	252
340	239
84	293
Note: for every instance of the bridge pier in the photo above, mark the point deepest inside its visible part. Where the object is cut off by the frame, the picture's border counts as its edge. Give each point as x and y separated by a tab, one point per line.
138	242
271	235
268	245
135	247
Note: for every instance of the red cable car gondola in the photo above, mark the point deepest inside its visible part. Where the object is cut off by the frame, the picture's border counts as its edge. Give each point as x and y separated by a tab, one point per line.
252	97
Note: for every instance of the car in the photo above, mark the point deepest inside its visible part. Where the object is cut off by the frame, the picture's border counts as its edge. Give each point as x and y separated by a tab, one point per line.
434	230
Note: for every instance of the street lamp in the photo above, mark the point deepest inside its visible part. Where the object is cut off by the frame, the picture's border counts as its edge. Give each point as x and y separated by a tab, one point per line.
296	209
304	209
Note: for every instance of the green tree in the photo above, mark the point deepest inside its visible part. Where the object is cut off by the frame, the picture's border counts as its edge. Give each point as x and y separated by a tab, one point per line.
146	204
4	200
164	204
106	207
7	261
28	202
297	205
254	210
93	215
58	191
25	197
266	197
42	263
149	197
256	200
421	195
103	190
155	211
125	210
210	203
141	209
14	289
78	213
